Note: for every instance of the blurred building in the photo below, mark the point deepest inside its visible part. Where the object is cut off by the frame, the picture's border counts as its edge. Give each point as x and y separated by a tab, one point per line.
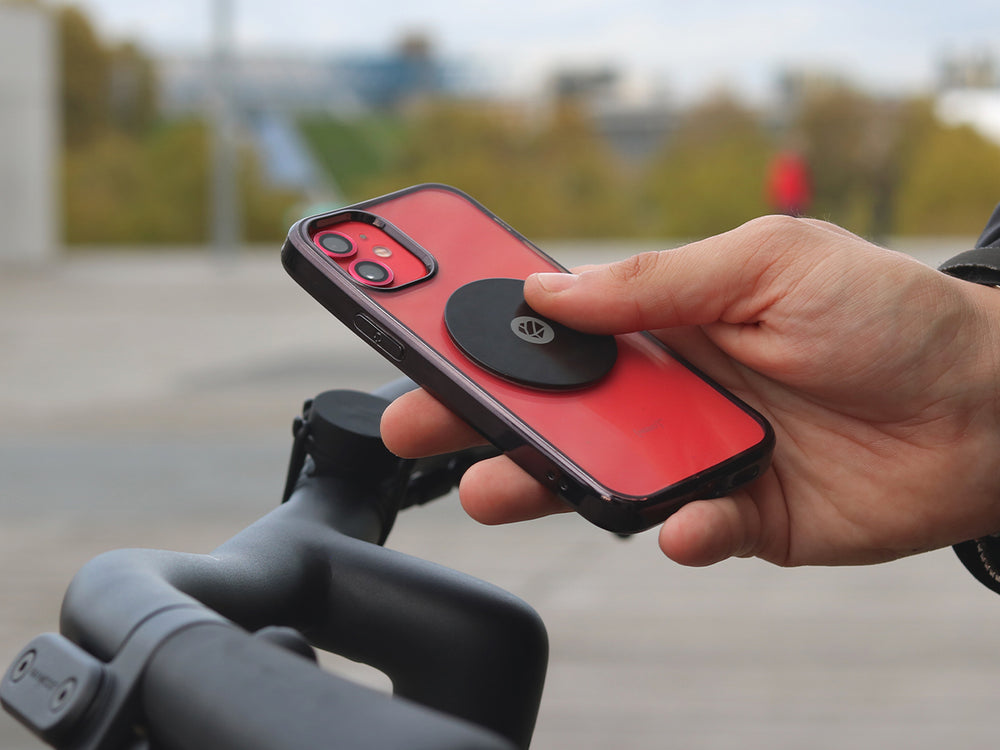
969	93
391	81
286	83
266	93
29	141
297	83
632	113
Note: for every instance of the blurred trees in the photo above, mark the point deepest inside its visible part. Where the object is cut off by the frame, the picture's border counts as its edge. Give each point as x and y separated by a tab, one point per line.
948	182
83	71
122	189
550	176
878	167
155	189
709	177
102	87
885	167
351	152
128	176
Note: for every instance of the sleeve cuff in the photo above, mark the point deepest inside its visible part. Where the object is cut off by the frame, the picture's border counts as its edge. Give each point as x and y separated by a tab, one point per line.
982	558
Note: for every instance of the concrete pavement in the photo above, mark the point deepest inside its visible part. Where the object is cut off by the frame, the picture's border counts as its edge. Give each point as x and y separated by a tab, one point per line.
145	400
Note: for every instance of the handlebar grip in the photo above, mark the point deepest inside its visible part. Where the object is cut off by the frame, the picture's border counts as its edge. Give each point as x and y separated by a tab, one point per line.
214	685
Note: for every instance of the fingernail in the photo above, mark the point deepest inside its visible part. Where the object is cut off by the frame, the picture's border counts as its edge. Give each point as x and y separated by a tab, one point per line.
555	282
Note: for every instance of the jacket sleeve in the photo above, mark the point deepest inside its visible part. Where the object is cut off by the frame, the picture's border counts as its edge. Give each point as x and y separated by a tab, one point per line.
991	235
981	265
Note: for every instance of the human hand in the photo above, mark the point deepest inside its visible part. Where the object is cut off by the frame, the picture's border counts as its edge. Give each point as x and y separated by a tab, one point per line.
880	376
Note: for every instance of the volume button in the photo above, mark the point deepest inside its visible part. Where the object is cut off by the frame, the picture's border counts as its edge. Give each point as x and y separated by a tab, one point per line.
379	338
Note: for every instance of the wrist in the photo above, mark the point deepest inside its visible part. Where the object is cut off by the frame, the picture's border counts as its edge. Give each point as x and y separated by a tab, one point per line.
981	556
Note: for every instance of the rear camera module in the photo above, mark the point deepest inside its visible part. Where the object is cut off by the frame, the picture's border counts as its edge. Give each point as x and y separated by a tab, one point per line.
371	272
336	245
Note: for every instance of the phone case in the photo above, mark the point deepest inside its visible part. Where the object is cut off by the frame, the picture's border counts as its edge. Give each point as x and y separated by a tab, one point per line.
626	436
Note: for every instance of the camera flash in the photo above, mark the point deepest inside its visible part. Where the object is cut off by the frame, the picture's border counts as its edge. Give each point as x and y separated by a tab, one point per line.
382	252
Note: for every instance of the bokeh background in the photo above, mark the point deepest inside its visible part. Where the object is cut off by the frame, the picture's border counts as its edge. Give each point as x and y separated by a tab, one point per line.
153	353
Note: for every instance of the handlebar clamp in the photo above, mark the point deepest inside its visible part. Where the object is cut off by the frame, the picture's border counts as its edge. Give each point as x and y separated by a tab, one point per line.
69	698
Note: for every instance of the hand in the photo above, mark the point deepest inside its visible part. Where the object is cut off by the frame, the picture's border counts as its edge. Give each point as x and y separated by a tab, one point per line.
880	376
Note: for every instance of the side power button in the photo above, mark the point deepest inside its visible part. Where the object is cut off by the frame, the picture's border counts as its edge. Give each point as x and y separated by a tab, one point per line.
379	338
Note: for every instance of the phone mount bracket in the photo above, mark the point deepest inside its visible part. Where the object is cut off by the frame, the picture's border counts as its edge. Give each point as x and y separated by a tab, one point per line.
491	323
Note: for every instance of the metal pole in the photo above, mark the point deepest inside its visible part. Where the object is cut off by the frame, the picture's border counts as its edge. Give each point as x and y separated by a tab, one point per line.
225	229
30	225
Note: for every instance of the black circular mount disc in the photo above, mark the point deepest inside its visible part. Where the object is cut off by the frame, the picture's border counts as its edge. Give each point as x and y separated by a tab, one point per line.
493	325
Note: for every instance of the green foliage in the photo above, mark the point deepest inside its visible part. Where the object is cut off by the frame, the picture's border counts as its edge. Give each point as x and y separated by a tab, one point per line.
132	90
878	166
128	178
84	73
102	87
154	189
854	145
352	151
710	176
570	184
123	189
265	211
951	181
548	178
890	167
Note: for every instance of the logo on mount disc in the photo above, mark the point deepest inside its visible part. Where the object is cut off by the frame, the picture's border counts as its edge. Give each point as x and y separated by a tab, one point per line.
532	330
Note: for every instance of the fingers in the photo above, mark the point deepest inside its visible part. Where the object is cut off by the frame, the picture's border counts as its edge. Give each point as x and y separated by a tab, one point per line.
493	491
619	297
709	531
416	424
731	278
704	532
498	491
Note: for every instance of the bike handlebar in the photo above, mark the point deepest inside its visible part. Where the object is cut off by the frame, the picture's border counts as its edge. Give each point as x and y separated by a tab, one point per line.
448	642
233	691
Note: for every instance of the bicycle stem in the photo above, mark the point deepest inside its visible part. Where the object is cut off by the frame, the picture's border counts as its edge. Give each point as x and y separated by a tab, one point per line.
445	640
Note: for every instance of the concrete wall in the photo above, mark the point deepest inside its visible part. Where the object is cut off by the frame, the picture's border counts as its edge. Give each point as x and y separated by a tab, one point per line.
29	140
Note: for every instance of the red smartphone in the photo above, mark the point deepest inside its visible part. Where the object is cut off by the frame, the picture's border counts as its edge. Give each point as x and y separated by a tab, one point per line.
619	427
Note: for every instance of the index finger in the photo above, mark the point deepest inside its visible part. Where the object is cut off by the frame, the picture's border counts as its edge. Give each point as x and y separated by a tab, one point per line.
416	424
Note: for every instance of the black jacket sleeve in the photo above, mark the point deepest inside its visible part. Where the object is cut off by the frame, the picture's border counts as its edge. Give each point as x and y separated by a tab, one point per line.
981	265
991	235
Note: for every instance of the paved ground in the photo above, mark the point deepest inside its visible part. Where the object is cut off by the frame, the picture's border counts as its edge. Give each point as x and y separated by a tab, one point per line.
146	401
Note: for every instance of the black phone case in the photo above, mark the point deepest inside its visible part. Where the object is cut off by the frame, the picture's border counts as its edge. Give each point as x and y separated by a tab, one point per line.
623	514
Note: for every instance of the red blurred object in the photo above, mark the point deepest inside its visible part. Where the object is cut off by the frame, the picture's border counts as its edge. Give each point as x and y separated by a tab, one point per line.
789	188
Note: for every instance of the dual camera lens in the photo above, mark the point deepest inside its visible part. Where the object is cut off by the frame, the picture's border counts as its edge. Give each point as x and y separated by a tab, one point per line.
336	245
371	272
340	247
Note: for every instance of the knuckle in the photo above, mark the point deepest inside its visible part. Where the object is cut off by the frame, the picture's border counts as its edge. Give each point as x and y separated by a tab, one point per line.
636	282
768	239
765	229
635	268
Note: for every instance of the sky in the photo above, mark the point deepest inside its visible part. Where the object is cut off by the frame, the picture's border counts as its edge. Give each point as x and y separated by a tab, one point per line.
683	45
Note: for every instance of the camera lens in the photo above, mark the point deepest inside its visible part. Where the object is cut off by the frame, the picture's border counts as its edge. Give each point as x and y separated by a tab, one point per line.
371	272
336	244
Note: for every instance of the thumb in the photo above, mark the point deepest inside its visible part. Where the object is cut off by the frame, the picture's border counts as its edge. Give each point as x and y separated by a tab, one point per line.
717	279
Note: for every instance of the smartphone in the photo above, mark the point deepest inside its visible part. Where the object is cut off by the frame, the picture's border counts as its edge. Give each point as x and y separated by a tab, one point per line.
619	427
